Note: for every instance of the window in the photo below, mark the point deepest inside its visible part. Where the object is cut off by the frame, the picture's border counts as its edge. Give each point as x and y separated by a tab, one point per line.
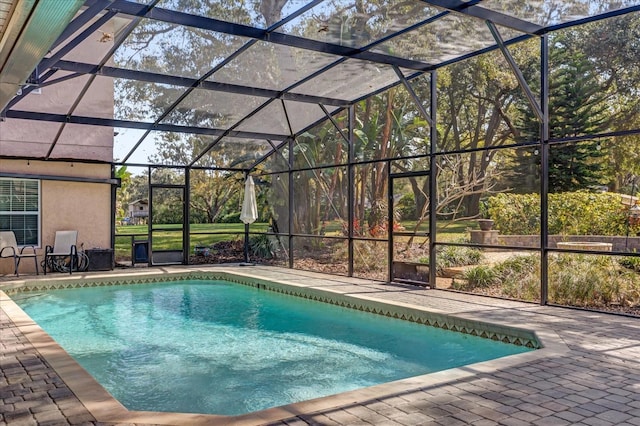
20	209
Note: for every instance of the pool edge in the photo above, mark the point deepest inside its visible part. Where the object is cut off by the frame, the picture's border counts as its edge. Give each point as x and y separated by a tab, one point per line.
105	408
459	323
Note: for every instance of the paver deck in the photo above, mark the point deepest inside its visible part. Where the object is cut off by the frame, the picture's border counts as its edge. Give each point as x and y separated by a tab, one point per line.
587	374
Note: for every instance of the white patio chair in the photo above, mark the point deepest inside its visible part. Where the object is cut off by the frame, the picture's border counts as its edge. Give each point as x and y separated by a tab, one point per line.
63	254
9	249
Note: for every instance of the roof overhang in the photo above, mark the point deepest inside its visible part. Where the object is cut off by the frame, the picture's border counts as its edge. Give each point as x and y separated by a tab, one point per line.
28	28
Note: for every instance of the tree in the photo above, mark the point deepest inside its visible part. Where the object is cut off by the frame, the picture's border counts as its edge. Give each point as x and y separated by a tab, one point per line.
125	179
577	107
476	110
210	189
615	57
134	187
593	89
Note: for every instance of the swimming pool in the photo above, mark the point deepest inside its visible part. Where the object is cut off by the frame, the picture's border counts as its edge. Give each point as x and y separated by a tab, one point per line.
172	335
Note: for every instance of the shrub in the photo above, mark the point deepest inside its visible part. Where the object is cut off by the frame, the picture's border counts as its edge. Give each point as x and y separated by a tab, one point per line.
586	213
517	267
588	280
570	213
406	207
367	258
230	218
574	280
515	214
481	276
632	263
452	256
263	246
519	277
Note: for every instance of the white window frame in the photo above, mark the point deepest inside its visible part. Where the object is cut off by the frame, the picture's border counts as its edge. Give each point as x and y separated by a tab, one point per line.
37	213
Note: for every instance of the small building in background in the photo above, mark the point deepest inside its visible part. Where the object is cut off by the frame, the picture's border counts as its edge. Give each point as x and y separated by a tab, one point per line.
138	213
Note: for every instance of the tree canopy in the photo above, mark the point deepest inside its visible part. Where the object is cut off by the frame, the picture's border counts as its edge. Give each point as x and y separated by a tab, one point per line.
482	116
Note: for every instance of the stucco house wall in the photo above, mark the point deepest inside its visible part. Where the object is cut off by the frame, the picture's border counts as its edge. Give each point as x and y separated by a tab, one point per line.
65	204
61	155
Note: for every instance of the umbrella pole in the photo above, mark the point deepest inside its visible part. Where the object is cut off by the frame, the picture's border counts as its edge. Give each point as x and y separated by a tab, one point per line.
246	243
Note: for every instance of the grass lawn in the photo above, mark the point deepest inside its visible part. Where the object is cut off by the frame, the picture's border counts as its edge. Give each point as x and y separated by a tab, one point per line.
170	237
454	231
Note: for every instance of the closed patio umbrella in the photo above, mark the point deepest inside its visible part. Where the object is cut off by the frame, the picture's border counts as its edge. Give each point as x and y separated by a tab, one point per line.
249	208
249	212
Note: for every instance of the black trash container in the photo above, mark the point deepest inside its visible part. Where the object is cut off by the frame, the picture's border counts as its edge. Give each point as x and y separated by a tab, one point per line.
140	252
100	259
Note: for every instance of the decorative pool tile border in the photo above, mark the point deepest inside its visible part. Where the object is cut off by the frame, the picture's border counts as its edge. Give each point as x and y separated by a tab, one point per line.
515	336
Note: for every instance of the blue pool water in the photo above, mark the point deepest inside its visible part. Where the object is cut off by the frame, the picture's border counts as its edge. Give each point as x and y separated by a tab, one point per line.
221	348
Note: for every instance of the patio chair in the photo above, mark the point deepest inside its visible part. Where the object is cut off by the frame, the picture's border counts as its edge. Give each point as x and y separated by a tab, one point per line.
9	249
63	254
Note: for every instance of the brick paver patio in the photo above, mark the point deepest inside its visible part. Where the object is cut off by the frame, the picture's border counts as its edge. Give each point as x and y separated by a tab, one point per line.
587	374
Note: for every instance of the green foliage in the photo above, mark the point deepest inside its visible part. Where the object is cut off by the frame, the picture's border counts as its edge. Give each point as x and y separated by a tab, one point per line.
578	102
230	218
519	277
515	214
574	280
632	263
578	105
571	213
406	207
452	256
585	213
167	213
587	280
214	194
481	276
263	246
517	267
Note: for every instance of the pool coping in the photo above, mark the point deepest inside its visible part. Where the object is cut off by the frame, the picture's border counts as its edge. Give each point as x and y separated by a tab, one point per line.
105	408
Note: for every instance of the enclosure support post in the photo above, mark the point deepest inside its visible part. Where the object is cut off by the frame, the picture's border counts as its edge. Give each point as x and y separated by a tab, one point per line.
291	194
433	169
629	216
350	190
514	67
186	228
390	248
544	164
150	217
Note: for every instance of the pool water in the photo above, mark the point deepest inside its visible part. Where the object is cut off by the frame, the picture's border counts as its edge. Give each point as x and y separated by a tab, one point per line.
220	348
